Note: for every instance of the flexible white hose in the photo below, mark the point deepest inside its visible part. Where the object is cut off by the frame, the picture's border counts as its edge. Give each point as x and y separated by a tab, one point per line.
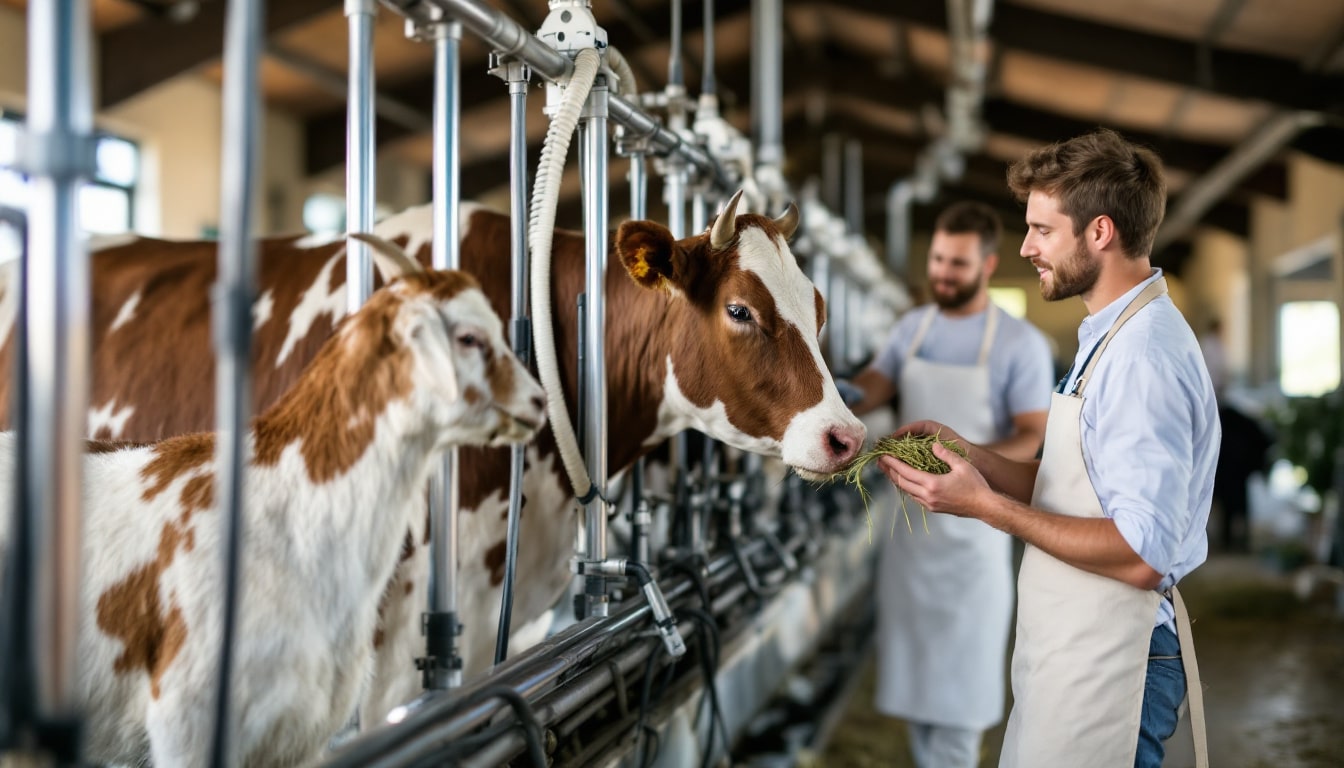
624	74
541	230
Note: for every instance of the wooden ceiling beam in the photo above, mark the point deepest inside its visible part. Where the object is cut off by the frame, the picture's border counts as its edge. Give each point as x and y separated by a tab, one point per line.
139	56
1232	73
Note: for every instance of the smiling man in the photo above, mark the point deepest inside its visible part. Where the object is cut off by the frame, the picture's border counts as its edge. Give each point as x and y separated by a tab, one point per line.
945	600
1114	512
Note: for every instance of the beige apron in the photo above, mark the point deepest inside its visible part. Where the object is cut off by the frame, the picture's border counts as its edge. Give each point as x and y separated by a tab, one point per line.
944	599
1081	651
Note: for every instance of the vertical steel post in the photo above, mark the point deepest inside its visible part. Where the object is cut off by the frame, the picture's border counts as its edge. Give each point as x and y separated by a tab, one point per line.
233	323
444	668
593	167
517	76
360	188
58	153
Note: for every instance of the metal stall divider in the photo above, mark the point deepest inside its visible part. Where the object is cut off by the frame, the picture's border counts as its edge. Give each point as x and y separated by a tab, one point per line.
14	685
57	152
233	322
517	75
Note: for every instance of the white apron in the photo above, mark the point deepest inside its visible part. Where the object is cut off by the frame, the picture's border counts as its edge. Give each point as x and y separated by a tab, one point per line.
944	599
1081	653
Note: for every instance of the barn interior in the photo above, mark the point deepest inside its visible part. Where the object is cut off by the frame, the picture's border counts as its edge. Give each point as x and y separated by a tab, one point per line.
890	110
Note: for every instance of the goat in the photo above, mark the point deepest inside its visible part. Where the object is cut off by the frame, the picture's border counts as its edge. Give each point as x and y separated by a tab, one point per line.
335	470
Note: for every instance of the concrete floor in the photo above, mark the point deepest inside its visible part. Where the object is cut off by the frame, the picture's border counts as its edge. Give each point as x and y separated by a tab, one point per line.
1272	667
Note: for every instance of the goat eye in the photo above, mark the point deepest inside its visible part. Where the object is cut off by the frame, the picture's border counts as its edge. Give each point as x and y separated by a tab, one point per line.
470	340
739	313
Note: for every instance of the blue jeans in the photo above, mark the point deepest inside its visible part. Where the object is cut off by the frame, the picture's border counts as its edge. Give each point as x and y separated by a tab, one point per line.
1163	692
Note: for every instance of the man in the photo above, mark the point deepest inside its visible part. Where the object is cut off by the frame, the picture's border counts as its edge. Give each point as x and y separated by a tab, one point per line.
1120	496
945	600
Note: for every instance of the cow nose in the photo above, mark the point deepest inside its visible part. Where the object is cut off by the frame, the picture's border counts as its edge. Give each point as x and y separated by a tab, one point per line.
842	443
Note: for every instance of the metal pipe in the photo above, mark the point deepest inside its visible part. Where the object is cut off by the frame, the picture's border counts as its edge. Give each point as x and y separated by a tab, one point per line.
708	87
593	166
900	197
835	319
767	80
14	563
444	671
522	330
233	323
511	39
674	194
854	186
360	191
674	74
639	187
58	153
699	212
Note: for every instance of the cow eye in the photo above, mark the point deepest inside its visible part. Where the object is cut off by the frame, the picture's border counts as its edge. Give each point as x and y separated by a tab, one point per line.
739	313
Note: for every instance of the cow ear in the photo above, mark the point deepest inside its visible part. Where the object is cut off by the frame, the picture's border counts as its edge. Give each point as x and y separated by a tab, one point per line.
651	255
392	262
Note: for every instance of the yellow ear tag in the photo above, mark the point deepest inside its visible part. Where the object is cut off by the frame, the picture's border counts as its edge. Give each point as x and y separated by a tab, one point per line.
641	266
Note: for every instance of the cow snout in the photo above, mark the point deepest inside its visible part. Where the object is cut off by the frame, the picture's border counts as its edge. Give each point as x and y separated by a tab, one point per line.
843	443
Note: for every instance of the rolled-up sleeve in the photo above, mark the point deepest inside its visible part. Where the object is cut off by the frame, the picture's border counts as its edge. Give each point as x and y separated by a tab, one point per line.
1141	466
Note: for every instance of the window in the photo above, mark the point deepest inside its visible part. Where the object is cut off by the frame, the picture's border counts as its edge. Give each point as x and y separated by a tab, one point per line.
1308	348
106	202
1010	300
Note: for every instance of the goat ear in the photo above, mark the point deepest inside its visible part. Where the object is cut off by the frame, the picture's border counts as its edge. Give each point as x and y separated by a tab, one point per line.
651	256
392	262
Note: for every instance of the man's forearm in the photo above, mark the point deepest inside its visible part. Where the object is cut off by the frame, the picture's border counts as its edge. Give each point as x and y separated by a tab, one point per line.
1092	544
1015	479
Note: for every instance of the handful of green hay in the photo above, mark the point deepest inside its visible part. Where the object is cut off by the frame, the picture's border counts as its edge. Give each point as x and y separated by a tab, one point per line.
915	450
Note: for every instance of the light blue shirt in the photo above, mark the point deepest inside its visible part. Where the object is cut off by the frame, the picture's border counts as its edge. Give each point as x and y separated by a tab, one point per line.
1020	365
1150	434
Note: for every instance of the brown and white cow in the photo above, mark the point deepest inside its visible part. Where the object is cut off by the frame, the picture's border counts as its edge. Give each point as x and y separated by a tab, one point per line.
723	340
336	471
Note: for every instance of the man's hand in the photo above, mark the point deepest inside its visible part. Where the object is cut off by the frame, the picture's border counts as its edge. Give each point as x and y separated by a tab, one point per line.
959	492
927	427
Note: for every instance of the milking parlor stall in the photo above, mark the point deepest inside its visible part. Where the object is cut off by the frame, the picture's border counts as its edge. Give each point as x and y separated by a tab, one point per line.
439	482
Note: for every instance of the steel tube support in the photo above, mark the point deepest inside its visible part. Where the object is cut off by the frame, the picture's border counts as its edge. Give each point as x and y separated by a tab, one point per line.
360	189
593	167
442	666
767	80
521	329
58	153
233	323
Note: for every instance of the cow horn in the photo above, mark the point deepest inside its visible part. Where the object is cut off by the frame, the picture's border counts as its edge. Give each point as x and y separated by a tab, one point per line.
725	227
391	259
788	221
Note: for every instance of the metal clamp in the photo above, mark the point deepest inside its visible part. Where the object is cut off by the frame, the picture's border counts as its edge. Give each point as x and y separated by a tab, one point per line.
57	154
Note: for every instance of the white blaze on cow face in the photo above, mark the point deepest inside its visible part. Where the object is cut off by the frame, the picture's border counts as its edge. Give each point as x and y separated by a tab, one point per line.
743	363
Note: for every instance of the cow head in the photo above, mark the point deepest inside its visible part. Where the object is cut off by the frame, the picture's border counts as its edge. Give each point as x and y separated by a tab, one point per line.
467	380
744	365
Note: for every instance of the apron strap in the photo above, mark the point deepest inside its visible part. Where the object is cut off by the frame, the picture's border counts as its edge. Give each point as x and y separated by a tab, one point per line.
920	332
1194	689
1156	288
991	326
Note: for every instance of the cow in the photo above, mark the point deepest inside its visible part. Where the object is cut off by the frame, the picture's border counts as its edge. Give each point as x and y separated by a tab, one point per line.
716	332
335	472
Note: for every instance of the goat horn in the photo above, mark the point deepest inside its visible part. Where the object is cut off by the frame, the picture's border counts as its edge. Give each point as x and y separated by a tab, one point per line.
725	227
391	259
788	221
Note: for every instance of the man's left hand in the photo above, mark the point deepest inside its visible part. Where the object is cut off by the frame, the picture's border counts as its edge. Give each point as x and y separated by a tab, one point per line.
957	492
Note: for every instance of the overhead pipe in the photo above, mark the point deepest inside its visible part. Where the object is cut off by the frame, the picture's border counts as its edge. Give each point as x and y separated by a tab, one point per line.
58	153
233	325
509	38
